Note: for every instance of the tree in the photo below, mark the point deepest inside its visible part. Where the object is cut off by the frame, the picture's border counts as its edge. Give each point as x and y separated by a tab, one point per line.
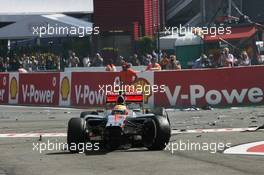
145	45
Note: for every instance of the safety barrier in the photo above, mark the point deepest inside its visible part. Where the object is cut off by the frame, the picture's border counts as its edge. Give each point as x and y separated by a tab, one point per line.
214	87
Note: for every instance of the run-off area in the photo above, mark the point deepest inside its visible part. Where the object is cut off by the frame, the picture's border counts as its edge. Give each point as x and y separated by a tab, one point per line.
18	157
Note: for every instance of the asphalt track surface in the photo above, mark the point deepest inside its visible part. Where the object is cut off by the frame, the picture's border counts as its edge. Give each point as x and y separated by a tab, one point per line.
18	157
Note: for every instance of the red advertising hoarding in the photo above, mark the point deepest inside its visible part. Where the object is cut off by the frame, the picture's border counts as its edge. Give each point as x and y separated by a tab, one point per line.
214	87
88	88
4	83
39	88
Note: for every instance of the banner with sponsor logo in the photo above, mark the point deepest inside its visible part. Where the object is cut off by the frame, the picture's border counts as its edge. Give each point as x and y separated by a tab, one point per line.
13	88
4	85
89	88
215	87
65	89
145	83
39	89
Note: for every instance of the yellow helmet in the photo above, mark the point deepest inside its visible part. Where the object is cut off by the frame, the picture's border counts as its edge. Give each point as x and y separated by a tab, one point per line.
120	109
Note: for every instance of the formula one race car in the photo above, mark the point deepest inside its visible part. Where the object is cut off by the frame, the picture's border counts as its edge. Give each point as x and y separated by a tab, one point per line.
122	126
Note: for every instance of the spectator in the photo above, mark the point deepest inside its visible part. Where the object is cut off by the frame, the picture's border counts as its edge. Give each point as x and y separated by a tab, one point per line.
244	59
120	61
49	63
164	61
173	64
7	65
135	60
110	67
214	61
226	59
127	75
153	66
86	61
32	62
56	62
42	63
70	61
74	60
202	62
154	54
98	61
259	58
63	63
21	69
146	60
34	65
2	65
25	62
14	64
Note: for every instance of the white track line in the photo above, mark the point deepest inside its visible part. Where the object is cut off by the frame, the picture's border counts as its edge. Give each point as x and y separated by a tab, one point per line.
30	135
40	107
173	132
212	130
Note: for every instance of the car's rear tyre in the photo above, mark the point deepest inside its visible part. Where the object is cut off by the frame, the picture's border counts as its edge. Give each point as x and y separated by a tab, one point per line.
156	132
83	114
76	132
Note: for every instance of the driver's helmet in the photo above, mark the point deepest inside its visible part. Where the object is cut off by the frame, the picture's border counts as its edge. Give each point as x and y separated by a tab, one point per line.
120	109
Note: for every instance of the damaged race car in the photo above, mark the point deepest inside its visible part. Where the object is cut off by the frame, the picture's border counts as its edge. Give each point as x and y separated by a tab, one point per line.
123	124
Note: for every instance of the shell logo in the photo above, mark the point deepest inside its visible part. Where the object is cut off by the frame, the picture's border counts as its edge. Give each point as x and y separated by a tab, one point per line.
65	88
13	88
142	82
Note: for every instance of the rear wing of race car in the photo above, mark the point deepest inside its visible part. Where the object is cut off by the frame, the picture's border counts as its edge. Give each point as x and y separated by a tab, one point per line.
129	97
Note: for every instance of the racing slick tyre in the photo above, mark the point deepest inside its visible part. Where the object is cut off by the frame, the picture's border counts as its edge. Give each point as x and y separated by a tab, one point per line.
83	114
156	132
75	137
